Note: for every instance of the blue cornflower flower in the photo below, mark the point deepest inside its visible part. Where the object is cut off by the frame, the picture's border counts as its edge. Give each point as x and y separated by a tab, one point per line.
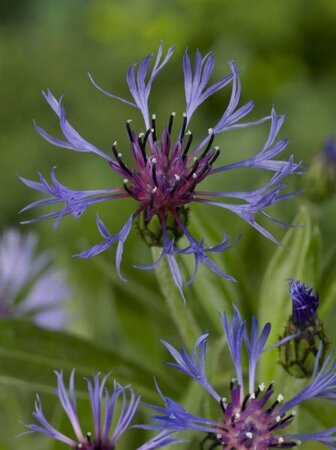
29	284
249	419
167	171
103	405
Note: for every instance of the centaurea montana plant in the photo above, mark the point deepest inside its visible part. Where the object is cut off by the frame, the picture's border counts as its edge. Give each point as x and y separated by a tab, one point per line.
30	285
109	421
167	172
249	418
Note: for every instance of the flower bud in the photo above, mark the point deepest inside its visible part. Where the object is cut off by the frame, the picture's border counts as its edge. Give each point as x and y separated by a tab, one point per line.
298	355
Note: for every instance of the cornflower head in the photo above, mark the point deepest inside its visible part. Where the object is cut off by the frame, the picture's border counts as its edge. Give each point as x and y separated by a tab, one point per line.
253	416
29	284
104	405
168	167
298	355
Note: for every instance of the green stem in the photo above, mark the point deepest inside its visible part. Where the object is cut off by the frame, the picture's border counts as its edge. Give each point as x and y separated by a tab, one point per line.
178	310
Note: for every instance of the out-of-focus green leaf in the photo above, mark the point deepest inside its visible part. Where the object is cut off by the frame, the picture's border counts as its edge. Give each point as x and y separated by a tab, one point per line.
299	259
29	355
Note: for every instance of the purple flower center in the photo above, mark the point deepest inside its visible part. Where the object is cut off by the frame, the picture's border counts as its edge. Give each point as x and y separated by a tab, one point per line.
165	175
249	423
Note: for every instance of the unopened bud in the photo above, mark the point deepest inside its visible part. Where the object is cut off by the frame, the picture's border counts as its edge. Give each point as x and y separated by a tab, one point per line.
298	354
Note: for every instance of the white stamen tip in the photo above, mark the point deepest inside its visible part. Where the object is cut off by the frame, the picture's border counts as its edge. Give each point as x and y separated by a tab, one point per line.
129	121
218	435
141	135
249	435
236	415
224	399
261	387
195	158
278	418
188	133
252	395
293	413
173	113
210	130
154	189
177	178
125	180
298	442
153	160
119	155
280	397
154	116
115	143
216	148
280	440
194	176
184	114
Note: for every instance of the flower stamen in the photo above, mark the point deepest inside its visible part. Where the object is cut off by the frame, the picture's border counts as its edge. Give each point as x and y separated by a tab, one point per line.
142	147
129	130
154	127
171	121
207	148
193	169
188	144
118	157
127	189
184	126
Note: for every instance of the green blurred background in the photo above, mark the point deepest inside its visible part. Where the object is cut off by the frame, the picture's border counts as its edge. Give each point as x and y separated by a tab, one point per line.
286	52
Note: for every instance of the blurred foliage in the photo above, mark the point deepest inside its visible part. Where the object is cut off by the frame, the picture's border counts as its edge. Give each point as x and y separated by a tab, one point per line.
286	52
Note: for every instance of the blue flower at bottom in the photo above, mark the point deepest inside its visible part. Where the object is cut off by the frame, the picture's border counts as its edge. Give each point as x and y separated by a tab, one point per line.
254	416
108	426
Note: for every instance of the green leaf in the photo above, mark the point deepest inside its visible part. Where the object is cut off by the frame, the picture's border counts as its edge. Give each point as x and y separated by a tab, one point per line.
29	355
299	258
